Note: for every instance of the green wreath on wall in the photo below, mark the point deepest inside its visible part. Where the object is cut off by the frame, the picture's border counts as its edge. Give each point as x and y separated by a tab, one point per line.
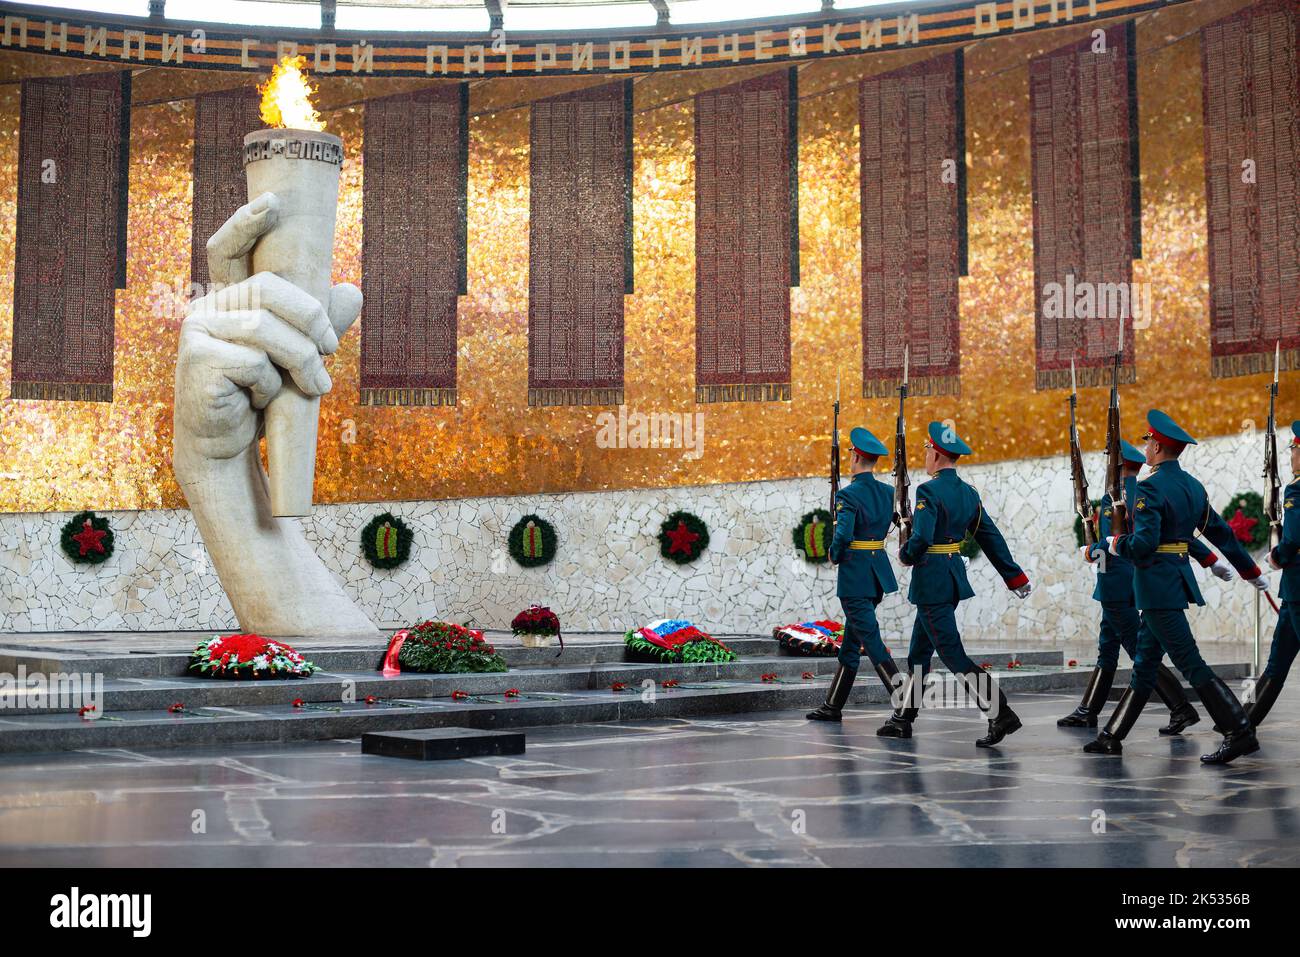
386	541
532	541
812	536
683	537
1251	527
87	539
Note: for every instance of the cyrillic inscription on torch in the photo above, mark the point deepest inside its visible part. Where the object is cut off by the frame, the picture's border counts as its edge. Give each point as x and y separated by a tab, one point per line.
300	163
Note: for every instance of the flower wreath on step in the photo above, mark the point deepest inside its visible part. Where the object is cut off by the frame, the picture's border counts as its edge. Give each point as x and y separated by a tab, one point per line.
248	656
675	641
810	637
87	539
532	541
386	541
683	537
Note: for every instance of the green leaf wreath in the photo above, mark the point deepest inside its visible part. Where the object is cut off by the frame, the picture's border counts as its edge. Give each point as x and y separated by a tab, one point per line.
711	651
1251	505
442	647
386	541
532	541
683	537
812	536
87	539
1078	523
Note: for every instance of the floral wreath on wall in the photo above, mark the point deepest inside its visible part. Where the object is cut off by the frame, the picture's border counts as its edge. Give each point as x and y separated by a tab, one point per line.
812	536
1245	516
532	541
87	539
683	537
386	541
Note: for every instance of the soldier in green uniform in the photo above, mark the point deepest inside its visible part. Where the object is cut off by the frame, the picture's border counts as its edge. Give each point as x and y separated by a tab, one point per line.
863	511
946	510
1119	615
1170	507
1286	638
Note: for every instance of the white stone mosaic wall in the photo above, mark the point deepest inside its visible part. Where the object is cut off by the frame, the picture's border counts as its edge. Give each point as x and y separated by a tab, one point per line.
608	573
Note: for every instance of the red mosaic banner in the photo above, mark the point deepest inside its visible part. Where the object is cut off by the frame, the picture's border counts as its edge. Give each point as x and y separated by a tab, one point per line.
415	157
1251	95
71	235
221	121
913	160
579	232
1083	142
744	166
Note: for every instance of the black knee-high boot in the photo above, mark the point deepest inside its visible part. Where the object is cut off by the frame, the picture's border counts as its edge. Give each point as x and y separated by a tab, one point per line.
836	696
1182	714
887	671
1266	691
1094	699
1120	724
899	724
1227	712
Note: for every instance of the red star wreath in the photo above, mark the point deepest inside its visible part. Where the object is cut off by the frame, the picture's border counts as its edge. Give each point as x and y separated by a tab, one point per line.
682	537
1245	516
87	539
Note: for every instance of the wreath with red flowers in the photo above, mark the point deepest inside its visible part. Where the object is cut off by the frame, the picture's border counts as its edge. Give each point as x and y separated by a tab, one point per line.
442	647
537	621
248	656
683	537
812	536
532	541
87	539
386	541
1245	515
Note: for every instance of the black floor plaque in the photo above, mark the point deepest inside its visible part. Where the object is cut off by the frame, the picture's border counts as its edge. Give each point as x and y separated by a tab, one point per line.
441	744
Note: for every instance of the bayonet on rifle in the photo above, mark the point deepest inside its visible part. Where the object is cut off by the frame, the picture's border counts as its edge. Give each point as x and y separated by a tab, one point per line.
1272	484
1114	451
835	451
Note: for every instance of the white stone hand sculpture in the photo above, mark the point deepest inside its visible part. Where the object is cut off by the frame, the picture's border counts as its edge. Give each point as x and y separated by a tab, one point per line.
232	342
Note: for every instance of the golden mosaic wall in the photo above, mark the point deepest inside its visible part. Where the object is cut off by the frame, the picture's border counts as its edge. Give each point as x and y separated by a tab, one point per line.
64	455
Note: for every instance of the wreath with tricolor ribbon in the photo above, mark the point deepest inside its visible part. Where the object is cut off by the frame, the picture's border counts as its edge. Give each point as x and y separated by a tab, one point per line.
87	539
532	541
386	541
683	537
812	536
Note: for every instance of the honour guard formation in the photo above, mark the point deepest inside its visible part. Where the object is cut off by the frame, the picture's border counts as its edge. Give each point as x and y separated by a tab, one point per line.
1141	541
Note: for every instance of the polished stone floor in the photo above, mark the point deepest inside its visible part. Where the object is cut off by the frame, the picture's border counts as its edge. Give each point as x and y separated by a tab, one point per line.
766	789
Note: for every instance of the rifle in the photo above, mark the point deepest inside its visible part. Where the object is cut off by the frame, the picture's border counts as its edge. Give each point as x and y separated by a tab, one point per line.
902	498
1114	454
1082	504
835	451
1272	484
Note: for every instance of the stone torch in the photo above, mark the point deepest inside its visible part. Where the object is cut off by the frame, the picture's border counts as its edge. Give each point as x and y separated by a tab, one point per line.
300	163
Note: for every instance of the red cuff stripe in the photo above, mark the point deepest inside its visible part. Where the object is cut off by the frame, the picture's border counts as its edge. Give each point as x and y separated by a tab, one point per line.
1021	579
1209	560
1252	574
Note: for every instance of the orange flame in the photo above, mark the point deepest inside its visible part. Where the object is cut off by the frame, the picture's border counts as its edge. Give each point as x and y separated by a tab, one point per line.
286	97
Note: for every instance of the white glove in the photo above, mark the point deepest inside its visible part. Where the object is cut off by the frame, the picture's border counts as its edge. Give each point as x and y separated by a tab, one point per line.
1024	590
1110	544
1086	552
1261	583
1221	570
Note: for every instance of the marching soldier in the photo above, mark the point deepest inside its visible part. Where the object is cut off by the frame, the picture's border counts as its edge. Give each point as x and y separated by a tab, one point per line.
946	509
863	511
1286	638
1119	616
1170	506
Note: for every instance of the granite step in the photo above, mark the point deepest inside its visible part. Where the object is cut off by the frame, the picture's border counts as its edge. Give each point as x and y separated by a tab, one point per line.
730	693
158	692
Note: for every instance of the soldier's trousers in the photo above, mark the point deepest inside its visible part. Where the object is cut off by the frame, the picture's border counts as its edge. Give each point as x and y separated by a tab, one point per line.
1119	629
861	633
1165	631
935	630
1286	642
